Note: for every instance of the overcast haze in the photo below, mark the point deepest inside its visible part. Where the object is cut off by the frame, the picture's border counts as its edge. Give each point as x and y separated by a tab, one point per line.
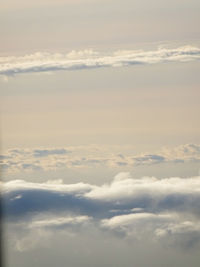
100	135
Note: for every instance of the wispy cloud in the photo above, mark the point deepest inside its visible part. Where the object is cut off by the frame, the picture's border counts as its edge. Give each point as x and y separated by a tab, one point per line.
89	59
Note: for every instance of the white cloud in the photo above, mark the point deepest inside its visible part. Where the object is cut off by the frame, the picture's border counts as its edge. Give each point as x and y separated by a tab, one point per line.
133	219
135	196
55	186
87	59
147	188
59	221
149	208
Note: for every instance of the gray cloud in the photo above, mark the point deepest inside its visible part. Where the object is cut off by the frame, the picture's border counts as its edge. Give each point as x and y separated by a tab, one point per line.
88	59
132	208
47	152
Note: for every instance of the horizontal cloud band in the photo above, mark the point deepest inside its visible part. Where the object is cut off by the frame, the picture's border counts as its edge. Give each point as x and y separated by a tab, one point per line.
127	207
123	195
47	159
87	59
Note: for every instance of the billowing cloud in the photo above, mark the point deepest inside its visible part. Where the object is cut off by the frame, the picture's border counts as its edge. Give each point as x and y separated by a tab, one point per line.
16	160
88	59
133	208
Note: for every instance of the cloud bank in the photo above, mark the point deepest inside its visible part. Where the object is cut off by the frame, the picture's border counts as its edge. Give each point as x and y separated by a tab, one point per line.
89	59
47	159
159	209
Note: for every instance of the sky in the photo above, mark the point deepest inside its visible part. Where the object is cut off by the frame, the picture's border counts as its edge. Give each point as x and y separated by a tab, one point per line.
100	135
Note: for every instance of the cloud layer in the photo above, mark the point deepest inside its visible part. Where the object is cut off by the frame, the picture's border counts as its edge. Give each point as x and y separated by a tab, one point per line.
89	59
162	209
17	160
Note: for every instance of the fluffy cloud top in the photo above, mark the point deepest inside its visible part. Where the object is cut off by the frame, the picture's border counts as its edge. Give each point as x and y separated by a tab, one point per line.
76	60
123	195
158	208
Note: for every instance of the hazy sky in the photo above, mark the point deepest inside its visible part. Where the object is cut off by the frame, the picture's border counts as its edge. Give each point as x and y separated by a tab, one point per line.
50	25
100	133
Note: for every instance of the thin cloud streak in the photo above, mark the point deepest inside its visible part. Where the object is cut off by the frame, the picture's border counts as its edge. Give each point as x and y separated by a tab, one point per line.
89	59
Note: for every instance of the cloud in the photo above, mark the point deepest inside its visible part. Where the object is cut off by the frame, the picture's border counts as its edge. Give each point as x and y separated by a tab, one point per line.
47	159
148	159
88	59
58	222
47	152
123	221
132	208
